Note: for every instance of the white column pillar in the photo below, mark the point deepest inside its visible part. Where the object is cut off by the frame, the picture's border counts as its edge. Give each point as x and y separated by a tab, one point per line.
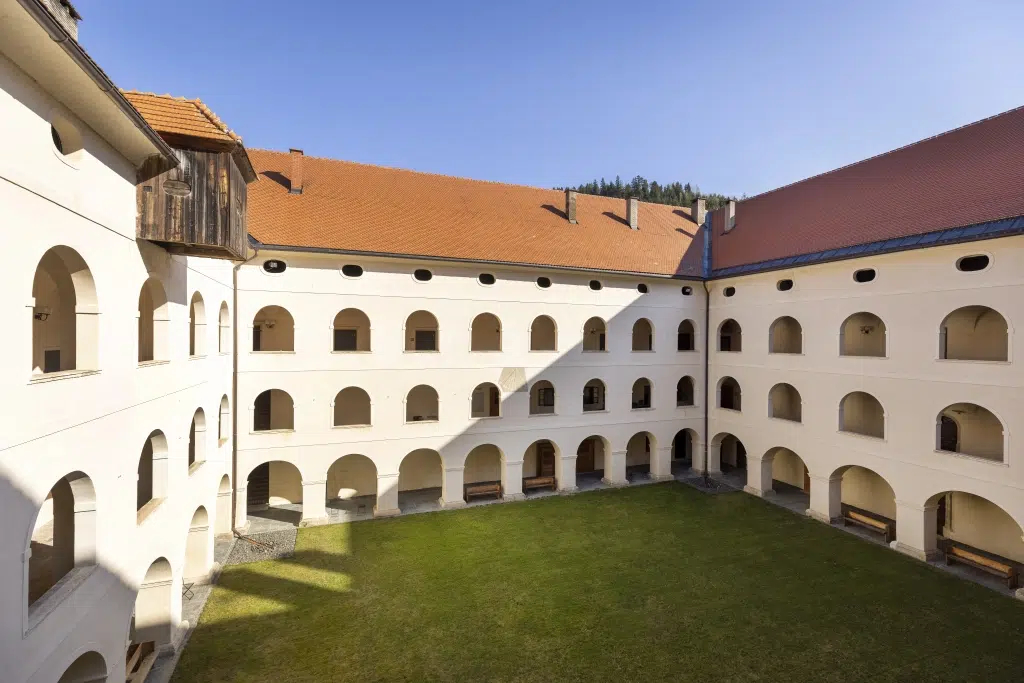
615	468
512	480
85	534
452	494
697	459
661	464
314	502
917	530
241	508
759	477
565	471
387	495
222	522
714	458
826	498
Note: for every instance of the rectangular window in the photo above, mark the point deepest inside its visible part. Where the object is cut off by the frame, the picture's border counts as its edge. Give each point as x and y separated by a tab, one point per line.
345	340
685	341
426	340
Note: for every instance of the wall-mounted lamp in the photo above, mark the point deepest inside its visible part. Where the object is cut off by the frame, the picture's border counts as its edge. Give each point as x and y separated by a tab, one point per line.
41	314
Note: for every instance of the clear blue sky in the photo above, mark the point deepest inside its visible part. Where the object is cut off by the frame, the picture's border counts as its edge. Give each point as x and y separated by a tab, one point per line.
737	97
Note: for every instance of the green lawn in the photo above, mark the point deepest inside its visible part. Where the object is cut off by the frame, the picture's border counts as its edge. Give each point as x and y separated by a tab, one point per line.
652	583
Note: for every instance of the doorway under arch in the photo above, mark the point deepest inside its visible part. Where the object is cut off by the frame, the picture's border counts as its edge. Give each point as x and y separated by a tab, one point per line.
273	494
420	480
352	487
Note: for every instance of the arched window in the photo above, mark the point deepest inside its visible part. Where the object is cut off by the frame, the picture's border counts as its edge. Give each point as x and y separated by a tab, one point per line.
273	329
153	605
352	408
641	394
88	668
594	333
351	331
197	440
785	336
784	403
974	333
485	334
198	544
197	326
63	535
542	398
729	394
543	334
273	410
863	334
685	337
861	413
970	429
422	405
224	420
65	320
154	322
224	329
593	396
730	336
422	332
153	475
643	335
486	401
684	392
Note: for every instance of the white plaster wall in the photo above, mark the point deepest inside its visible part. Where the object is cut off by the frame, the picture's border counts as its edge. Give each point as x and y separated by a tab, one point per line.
95	423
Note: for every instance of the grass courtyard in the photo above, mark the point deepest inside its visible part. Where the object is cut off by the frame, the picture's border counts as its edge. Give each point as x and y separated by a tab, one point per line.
651	583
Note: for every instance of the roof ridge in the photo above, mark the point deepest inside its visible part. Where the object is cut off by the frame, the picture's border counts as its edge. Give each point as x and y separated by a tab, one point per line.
199	105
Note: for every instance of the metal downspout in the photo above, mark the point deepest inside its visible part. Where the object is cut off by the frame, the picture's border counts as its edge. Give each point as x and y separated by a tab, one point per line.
234	385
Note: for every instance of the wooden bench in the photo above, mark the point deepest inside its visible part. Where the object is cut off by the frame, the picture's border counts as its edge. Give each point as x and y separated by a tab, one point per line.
974	558
870	522
477	490
139	660
533	483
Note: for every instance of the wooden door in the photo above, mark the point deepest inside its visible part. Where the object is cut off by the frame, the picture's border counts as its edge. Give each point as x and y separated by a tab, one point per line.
545	459
257	491
585	457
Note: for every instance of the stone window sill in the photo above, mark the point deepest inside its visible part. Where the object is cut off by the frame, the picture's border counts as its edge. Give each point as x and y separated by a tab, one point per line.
57	594
974	458
594	410
640	410
422	351
146	511
63	374
432	420
686	350
731	410
151	363
847	355
968	360
271	431
685	405
786	353
271	353
485	350
551	414
642	351
543	350
861	436
785	419
485	417
594	351
350	352
356	426
198	356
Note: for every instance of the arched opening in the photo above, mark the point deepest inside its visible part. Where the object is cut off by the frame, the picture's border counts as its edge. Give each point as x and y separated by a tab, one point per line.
351	331
784	403
154	322
728	455
540	460
590	457
485	334
543	334
685	336
420	477
638	455
154	606
643	335
542	398
224	329
863	334
197	326
421	404
352	487
422	332
198	548
785	336
594	335
969	429
273	496
65	320
593	396
729	394
352	408
683	444
485	401
483	466
88	668
861	413
973	532
222	519
790	478
641	396
684	392
273	410
151	486
224	420
974	333
273	330
730	336
868	504
63	535
197	440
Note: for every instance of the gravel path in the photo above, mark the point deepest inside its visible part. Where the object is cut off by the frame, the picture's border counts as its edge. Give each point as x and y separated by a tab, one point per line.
270	545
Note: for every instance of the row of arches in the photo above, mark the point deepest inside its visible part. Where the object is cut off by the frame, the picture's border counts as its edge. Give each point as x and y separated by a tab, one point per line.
974	333
964	428
274	409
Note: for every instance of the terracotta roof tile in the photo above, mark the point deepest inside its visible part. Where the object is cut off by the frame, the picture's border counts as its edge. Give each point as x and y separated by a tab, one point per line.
179	116
966	176
356	207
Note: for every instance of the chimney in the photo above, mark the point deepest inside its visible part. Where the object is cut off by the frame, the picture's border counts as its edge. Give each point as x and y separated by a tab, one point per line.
65	14
698	210
730	215
632	212
570	206
296	175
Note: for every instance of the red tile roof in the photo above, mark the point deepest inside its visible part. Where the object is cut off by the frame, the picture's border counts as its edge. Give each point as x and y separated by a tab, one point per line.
966	176
171	115
356	207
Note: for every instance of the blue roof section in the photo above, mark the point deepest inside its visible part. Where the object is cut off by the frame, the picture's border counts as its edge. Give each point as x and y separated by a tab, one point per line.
971	233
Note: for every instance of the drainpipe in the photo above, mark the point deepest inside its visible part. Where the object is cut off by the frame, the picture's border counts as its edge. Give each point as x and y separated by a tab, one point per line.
706	268
234	383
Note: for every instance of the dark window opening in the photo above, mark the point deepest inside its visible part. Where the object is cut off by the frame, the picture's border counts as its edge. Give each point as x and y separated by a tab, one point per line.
274	266
486	279
684	392
261	421
422	274
352	270
970	264
642	288
426	340
345	340
729	291
51	360
949	434
257	334
865	275
684	341
546	397
595	285
543	282
784	285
